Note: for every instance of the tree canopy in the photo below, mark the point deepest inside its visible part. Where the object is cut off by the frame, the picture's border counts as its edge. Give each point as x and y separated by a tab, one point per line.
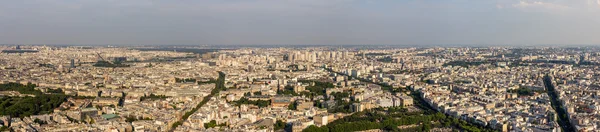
26	106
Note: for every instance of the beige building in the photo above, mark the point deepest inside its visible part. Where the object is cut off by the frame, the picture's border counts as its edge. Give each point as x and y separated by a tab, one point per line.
406	101
321	119
304	105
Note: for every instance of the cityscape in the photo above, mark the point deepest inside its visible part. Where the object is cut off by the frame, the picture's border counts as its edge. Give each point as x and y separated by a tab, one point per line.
321	88
300	66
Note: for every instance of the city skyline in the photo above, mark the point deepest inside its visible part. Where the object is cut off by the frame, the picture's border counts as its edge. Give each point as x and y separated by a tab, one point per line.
308	89
300	65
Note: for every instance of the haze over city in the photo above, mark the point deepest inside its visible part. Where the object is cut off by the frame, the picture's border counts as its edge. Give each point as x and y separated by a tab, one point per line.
301	22
300	66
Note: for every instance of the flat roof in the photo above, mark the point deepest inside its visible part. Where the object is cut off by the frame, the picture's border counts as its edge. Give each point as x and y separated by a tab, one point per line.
109	116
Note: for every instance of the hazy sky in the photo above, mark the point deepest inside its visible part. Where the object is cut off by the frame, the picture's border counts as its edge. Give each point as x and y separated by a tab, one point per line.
293	22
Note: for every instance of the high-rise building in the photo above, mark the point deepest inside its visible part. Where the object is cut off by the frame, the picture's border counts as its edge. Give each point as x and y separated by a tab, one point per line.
250	68
333	55
293	58
363	55
72	63
313	57
286	57
222	57
307	56
354	73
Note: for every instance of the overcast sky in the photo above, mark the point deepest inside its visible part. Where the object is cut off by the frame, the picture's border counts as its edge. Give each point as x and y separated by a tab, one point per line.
297	22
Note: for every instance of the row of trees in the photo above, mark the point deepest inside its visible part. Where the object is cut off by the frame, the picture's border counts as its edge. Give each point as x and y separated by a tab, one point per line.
153	97
523	91
133	118
465	63
219	86
259	103
207	82
386	59
184	80
563	119
108	64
